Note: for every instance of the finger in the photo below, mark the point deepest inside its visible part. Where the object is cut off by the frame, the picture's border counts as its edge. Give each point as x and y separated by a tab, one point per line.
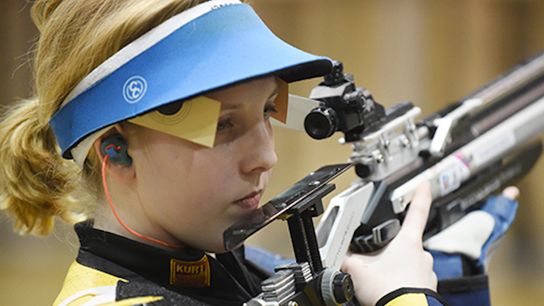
511	192
355	262
416	217
348	264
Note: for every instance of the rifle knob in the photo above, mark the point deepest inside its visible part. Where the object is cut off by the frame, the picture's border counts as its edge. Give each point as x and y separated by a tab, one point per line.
336	287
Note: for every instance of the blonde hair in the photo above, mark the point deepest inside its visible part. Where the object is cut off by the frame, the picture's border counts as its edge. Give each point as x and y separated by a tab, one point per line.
36	183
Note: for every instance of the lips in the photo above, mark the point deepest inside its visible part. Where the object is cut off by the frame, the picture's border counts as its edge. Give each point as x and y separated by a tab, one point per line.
251	201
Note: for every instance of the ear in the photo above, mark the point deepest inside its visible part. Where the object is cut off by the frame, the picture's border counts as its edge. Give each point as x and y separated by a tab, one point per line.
121	169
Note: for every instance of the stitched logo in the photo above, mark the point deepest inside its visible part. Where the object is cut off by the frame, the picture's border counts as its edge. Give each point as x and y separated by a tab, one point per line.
190	273
134	89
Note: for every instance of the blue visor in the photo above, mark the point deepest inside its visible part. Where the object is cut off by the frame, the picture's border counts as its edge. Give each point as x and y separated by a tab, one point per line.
223	45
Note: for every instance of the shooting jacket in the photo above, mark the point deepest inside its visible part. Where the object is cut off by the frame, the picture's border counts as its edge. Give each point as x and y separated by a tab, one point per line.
114	270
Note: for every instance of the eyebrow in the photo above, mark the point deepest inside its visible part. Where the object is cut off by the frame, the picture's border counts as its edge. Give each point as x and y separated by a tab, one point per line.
239	105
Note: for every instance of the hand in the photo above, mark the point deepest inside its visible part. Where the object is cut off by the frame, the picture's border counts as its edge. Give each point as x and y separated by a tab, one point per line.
472	238
402	263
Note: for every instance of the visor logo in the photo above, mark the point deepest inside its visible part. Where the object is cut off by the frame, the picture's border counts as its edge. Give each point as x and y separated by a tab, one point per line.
134	89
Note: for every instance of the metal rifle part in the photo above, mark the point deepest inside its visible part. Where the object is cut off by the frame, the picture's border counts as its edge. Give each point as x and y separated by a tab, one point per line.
380	223
452	207
514	105
383	140
307	282
305	191
448	175
341	219
295	285
480	133
468	150
506	84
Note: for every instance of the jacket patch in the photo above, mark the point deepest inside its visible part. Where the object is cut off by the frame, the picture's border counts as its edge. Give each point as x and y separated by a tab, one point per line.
193	274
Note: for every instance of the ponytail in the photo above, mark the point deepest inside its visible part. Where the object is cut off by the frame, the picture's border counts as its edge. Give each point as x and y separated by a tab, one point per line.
36	184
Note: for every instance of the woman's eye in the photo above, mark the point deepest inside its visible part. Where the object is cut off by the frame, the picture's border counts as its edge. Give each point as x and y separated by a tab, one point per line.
224	124
269	110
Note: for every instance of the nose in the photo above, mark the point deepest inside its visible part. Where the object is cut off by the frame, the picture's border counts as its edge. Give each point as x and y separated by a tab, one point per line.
259	154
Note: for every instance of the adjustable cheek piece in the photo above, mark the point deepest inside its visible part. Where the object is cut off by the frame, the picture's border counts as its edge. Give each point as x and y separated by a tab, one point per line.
115	147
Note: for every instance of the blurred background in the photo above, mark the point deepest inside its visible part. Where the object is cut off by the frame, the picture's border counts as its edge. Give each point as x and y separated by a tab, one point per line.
428	52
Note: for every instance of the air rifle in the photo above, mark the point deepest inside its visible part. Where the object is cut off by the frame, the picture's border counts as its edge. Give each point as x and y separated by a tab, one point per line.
467	151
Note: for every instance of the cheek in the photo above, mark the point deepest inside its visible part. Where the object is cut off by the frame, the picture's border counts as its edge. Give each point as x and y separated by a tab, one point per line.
190	181
211	178
162	174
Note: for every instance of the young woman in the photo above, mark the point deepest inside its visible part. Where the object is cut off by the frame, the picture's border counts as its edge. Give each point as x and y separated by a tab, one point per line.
151	130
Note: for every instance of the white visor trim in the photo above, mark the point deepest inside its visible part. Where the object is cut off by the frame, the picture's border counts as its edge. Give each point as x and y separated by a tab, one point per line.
143	43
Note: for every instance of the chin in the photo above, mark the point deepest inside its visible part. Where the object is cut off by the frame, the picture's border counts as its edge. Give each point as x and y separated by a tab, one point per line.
211	240
211	244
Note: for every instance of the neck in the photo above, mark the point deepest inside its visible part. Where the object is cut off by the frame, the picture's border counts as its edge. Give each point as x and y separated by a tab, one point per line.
136	221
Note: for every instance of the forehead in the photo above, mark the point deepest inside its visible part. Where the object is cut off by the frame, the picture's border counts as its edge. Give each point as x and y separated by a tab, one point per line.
256	89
